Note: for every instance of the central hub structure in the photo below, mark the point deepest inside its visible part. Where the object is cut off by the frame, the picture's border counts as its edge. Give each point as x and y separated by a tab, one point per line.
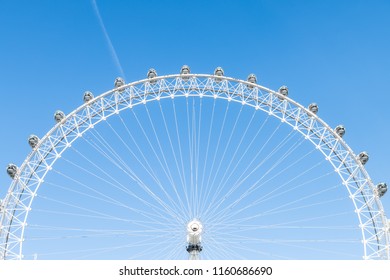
194	238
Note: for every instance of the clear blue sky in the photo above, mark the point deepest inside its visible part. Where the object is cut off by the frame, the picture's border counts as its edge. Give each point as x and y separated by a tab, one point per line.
334	53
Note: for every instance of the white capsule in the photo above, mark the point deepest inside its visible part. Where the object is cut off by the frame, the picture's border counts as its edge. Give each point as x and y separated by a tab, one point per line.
12	170
151	75
119	82
313	107
88	96
33	141
59	116
218	72
185	70
381	189
252	79
340	130
283	90
363	157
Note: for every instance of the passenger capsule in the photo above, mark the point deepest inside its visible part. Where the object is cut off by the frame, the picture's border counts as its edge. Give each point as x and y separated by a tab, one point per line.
340	130
12	170
283	90
381	189
59	116
1	208
252	79
218	72
119	82
152	74
185	69
313	107
363	157
88	96
33	141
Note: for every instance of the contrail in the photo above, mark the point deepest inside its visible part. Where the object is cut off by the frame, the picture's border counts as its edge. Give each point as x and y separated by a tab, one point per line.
111	47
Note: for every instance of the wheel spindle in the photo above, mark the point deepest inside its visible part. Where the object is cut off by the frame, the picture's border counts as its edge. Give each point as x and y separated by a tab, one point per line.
194	238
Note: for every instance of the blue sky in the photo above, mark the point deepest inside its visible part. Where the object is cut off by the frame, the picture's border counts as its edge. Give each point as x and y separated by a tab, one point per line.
334	53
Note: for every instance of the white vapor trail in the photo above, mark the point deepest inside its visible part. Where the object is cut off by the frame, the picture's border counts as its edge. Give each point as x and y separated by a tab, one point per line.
111	47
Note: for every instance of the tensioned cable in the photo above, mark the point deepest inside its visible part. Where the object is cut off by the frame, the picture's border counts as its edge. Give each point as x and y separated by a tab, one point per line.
233	187
111	201
218	146
151	174
203	198
256	185
116	184
174	155
165	162
155	153
227	170
198	188
240	181
185	186
133	176
263	199
233	130
115	163
190	149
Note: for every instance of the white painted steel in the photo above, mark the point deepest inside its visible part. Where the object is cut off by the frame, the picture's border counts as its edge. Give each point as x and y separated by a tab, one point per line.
17	203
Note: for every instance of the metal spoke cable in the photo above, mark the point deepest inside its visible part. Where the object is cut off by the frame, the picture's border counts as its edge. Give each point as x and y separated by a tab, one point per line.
233	130
190	149
229	172
264	198
234	186
198	208
255	185
221	129
175	157
185	186
166	164
128	171
203	189
119	185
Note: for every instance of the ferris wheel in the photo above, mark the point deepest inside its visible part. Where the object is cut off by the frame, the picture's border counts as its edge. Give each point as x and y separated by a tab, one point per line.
192	166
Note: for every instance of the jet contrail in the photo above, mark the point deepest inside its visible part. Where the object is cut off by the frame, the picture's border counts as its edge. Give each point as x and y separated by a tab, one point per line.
111	47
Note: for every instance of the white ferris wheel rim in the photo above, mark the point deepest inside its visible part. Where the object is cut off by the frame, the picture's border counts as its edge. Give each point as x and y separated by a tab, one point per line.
368	207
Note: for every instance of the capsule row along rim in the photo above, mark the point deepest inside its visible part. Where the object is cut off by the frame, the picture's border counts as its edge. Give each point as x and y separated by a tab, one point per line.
33	140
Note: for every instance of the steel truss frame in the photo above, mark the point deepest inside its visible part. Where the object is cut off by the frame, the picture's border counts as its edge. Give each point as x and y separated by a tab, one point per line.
17	203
